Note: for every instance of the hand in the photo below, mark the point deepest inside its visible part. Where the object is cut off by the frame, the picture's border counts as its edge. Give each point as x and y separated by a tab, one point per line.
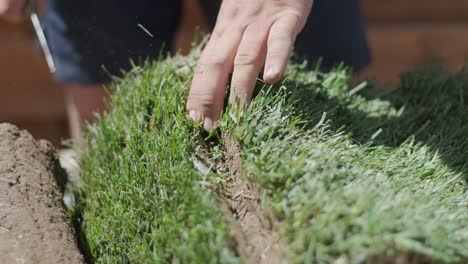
14	10
248	35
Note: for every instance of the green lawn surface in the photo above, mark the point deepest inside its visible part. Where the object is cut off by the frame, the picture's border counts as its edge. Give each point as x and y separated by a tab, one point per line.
348	174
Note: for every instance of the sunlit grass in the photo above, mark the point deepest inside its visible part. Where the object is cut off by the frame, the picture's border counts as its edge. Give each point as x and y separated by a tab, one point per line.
348	174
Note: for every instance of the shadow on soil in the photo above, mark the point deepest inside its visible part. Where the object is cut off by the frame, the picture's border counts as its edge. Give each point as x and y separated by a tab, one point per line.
77	220
433	107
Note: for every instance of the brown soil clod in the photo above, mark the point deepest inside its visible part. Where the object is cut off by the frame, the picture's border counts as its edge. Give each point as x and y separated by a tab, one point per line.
240	199
34	227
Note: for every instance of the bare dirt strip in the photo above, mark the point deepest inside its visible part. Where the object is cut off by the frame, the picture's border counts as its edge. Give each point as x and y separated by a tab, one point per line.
34	227
256	240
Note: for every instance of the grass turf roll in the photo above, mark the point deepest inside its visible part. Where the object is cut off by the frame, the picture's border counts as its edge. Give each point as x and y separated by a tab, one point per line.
345	173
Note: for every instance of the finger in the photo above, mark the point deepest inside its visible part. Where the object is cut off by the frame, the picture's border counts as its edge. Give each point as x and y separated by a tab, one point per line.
248	62
279	47
208	89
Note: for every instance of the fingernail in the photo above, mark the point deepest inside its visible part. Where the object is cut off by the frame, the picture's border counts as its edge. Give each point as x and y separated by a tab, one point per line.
270	73
208	124
194	115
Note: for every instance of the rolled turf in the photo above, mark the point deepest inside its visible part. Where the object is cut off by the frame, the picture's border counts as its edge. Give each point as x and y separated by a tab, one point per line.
346	174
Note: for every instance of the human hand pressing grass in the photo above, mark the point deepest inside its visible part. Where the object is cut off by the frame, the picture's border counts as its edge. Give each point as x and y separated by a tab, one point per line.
15	10
248	35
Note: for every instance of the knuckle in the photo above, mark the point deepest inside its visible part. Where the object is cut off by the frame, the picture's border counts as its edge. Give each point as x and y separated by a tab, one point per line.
202	98
202	101
229	10
233	12
297	23
279	37
275	54
245	59
292	23
211	63
294	17
208	67
218	32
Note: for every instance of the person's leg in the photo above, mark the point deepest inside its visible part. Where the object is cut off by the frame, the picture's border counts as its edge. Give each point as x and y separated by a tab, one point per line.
94	40
81	103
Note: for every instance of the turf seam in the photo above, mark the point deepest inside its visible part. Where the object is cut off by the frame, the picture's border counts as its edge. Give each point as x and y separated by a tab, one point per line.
254	234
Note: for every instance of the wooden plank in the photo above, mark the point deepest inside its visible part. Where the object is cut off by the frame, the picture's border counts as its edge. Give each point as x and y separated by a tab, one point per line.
415	10
400	48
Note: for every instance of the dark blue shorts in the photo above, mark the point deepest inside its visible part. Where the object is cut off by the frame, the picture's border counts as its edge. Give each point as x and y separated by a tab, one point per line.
92	40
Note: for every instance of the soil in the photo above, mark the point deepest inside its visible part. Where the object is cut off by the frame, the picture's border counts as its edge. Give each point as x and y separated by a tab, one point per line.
34	227
240	199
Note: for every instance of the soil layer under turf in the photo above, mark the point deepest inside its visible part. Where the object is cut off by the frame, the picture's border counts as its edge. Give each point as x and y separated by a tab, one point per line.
315	171
34	227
